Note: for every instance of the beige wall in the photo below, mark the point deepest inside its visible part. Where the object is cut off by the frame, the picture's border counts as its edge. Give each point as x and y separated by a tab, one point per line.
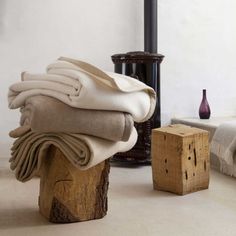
197	38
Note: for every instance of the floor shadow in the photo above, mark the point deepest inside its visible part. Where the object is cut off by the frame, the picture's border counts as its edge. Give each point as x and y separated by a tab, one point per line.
139	190
128	165
23	217
6	173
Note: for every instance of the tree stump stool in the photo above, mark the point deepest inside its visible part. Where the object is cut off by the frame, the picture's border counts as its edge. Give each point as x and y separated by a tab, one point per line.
68	194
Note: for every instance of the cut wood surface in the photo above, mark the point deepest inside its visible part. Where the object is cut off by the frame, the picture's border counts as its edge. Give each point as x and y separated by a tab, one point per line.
68	194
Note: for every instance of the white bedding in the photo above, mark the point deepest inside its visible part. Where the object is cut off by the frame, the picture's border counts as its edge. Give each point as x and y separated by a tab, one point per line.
226	125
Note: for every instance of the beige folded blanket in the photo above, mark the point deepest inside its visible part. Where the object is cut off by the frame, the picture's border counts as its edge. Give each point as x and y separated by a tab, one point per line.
82	151
46	114
81	85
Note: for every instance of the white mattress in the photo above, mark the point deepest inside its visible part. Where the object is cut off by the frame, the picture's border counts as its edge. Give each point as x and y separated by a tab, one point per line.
209	125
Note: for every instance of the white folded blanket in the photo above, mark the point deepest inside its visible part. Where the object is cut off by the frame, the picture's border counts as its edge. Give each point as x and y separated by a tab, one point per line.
82	85
82	151
223	145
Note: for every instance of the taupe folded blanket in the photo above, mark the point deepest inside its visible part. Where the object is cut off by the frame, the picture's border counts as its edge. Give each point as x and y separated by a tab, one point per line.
47	114
83	151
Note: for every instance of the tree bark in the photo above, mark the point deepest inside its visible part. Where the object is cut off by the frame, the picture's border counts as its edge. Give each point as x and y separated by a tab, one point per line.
68	194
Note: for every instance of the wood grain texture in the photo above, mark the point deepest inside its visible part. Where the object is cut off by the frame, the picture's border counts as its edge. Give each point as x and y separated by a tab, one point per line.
71	195
180	159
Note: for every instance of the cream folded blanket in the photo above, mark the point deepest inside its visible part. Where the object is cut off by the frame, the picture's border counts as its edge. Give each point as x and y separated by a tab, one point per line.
223	145
81	85
82	151
47	115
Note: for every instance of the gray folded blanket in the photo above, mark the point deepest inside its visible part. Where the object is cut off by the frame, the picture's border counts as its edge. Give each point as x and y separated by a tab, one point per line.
46	114
223	145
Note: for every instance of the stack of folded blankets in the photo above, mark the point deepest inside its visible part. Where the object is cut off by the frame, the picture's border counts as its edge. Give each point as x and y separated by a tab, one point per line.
87	113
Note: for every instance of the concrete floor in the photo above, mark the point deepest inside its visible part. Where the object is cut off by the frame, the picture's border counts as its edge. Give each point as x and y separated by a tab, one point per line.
134	208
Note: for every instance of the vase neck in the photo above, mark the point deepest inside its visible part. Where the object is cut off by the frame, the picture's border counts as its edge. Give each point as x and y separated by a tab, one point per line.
204	93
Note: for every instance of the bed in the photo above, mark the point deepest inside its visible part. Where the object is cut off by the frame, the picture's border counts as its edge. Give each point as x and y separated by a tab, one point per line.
211	125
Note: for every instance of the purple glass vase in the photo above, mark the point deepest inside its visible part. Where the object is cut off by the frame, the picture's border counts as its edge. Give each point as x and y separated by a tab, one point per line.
204	109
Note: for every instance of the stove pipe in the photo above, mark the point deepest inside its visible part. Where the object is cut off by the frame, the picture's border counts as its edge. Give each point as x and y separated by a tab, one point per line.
150	26
144	66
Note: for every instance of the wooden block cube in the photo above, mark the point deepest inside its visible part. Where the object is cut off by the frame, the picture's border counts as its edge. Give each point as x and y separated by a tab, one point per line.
180	159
